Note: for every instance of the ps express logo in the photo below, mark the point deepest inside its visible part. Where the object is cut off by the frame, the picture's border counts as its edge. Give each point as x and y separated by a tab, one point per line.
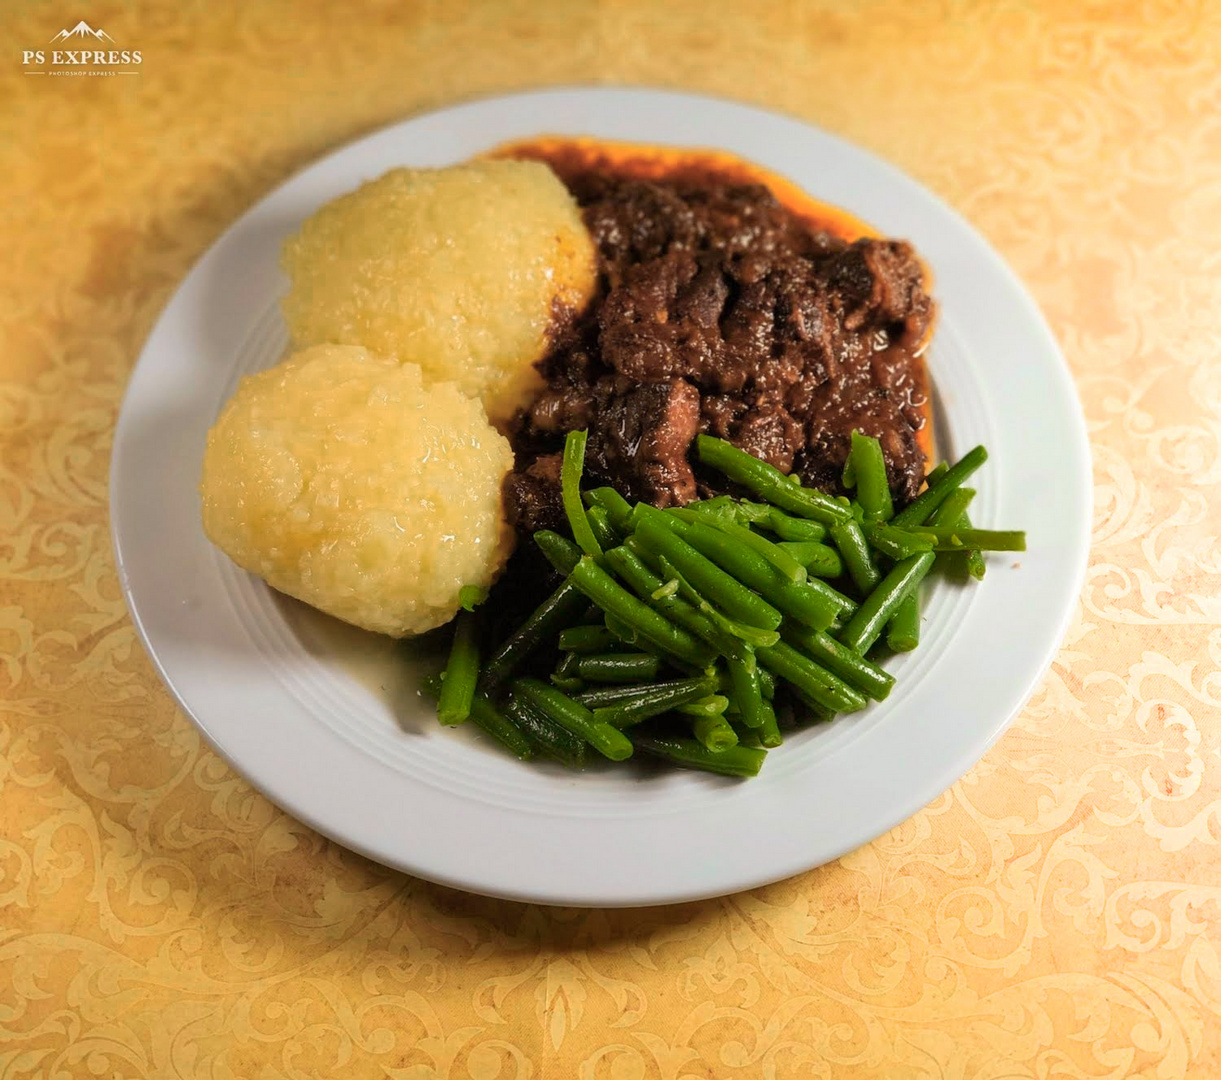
82	54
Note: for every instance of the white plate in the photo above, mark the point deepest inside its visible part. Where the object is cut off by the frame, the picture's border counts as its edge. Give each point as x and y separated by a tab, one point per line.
359	756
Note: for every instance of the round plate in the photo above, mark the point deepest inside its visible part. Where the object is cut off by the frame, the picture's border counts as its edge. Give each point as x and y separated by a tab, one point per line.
327	721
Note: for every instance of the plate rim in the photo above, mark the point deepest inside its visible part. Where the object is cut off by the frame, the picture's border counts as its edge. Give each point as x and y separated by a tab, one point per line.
920	794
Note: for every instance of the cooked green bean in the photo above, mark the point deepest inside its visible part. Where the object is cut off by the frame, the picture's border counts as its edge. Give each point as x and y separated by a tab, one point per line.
880	605
461	672
747	693
553	739
488	718
596	696
769	729
781	560
587	639
795	530
562	608
838	659
715	733
625	633
570	492
618	667
768	482
565	676
711	705
736	633
918	511
869	472
471	596
736	761
850	539
894	542
651	701
903	630
950	512
600	524
748	736
608	741
811	681
661	533
812	602
629	565
820	560
561	552
616	601
617	508
957	539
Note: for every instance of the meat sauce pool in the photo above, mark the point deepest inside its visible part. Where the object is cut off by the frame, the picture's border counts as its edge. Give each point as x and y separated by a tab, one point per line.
721	310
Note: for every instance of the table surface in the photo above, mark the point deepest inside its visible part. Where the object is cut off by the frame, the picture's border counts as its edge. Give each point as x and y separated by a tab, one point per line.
1056	913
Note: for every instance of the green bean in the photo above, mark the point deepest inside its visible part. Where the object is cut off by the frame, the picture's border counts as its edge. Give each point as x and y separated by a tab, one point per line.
565	676
769	729
953	512
625	633
894	542
812	602
838	659
950	512
570	492
718	506
651	701
488	718
600	524
660	532
587	639
955	539
561	552
461	672
768	482
811	681
553	739
872	486
975	559
850	539
782	561
736	634
903	630
597	696
608	741
877	609
562	608
820	560
715	733
618	667
616	601
736	761
631	567
471	596
712	705
748	736
794	530
918	511
747	693
615	505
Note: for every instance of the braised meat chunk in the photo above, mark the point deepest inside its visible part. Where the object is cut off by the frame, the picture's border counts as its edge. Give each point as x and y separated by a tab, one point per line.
720	311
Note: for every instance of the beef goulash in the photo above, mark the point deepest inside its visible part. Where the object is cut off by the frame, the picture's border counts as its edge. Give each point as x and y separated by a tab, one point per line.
722	310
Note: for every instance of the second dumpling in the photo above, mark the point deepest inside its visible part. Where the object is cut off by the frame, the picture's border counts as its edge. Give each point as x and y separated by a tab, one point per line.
466	271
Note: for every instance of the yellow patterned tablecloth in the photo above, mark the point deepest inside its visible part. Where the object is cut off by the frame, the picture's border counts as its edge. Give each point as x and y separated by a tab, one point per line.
1056	914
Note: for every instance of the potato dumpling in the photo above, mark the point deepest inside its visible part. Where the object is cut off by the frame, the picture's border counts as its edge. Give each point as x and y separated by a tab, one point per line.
460	270
340	478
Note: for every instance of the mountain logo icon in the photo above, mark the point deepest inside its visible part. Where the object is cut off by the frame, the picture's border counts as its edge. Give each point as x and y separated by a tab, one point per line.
80	30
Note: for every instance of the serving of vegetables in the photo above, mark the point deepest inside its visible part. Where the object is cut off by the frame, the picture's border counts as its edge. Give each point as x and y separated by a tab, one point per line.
688	633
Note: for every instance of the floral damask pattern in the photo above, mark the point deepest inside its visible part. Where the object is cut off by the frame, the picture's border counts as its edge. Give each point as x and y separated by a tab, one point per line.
1056	914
